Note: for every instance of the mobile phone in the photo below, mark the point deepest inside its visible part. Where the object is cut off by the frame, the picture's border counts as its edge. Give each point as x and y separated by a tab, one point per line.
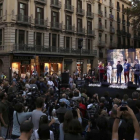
123	108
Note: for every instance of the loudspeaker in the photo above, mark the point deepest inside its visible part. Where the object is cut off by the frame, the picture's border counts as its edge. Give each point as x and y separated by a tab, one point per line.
105	84
65	78
132	86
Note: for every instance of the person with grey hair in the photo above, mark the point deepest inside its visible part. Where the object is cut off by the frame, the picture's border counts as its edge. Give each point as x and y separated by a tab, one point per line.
63	99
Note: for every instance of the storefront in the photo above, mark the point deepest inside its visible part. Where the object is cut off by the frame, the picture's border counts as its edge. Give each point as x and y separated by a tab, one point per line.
21	65
51	65
79	66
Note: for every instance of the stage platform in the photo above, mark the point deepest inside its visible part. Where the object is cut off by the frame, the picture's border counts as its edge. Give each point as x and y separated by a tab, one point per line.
113	90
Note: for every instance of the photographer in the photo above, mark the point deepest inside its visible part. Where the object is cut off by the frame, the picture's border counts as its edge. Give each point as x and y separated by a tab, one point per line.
19	116
128	114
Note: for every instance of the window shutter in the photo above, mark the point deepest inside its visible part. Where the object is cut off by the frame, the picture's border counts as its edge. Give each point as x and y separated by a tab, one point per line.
26	9
18	8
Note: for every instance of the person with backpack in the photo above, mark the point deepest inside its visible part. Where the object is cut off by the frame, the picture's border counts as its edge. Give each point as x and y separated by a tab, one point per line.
19	116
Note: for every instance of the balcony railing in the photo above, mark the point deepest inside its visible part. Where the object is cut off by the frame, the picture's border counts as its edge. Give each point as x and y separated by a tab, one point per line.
101	44
112	30
80	12
90	33
56	25
100	27
41	1
111	5
24	48
81	31
123	21
69	8
56	4
90	15
111	17
41	23
100	13
69	28
23	19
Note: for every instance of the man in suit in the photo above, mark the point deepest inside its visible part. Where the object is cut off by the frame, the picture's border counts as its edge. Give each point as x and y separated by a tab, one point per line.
119	71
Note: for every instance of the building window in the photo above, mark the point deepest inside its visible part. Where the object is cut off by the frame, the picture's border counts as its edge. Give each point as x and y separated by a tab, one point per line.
89	26
89	44
21	37
106	24
39	39
100	37
55	17
22	10
79	4
67	42
105	38
118	5
0	36
88	8
68	21
105	12
79	23
54	40
68	2
39	13
0	10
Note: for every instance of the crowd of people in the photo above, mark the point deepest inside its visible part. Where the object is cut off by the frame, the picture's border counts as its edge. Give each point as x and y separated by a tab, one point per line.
37	108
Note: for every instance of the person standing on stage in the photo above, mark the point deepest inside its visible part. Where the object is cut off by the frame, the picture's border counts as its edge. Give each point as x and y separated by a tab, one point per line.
109	72
126	70
136	72
101	71
119	71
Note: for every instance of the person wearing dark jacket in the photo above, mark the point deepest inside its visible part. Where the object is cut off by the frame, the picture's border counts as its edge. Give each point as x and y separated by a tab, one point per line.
136	72
119	71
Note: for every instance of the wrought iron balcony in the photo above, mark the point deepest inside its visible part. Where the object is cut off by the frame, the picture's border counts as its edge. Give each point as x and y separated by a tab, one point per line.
26	48
111	17
111	5
55	3
101	44
80	12
41	23
100	13
123	21
69	8
56	26
100	27
41	1
112	30
91	33
23	19
69	28
90	15
81	31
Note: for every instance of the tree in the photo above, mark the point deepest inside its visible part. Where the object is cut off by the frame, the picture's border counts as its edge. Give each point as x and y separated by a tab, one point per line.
134	14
